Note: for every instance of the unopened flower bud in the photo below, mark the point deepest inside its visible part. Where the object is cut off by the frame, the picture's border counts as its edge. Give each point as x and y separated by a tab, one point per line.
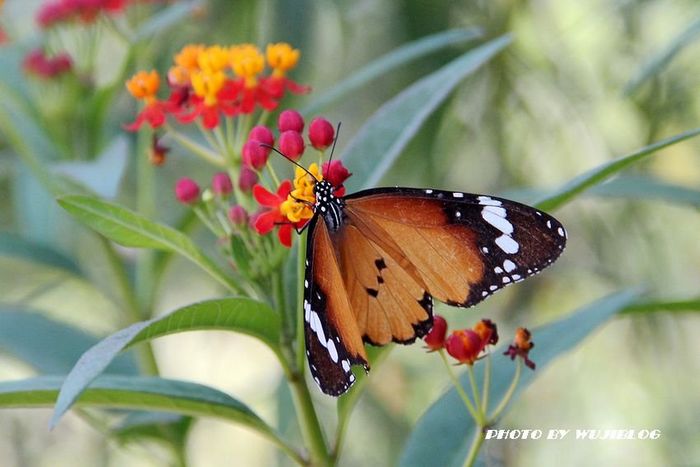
464	346
238	215
187	191
221	184
291	144
263	134
321	133
255	155
247	178
290	120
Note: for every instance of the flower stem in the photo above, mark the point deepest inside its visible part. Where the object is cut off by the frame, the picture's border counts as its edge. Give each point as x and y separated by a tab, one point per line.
477	399
458	386
474	448
487	385
199	150
509	394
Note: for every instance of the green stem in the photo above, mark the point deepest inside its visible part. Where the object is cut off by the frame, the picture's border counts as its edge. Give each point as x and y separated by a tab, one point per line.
487	386
308	420
474	448
458	386
301	271
509	394
196	148
477	399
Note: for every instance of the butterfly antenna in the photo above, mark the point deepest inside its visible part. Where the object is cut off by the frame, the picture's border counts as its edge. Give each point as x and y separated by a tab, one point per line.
337	132
289	159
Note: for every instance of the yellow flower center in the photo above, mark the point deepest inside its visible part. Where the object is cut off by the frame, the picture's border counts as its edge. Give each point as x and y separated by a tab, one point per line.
144	85
281	57
207	85
247	62
298	205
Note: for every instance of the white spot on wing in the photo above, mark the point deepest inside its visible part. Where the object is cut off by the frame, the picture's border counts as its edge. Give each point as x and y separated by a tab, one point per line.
346	365
486	201
496	210
429	191
332	351
501	223
507	244
458	195
497	270
561	232
508	265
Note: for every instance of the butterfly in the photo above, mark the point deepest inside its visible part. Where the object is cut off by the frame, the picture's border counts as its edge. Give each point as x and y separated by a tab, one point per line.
377	259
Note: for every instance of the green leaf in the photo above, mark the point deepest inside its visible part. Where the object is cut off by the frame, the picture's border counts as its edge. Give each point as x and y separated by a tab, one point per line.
47	345
131	229
154	425
599	174
18	247
382	138
136	392
676	306
637	187
659	61
166	18
443	434
230	314
383	65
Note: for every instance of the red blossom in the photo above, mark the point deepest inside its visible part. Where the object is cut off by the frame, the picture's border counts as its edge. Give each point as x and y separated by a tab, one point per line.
154	114
276	86
521	347
336	173
464	345
435	339
39	64
272	217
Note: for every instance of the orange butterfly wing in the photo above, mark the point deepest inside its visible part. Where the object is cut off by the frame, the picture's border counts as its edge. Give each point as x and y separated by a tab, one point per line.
373	276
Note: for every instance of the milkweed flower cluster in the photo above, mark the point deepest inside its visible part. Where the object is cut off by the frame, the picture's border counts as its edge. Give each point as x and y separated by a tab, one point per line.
464	345
228	93
207	83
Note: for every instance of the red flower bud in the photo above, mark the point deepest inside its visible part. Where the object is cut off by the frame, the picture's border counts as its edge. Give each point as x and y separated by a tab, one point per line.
464	345
435	339
321	133
187	191
487	331
247	178
291	144
290	120
221	184
238	215
255	155
263	134
335	172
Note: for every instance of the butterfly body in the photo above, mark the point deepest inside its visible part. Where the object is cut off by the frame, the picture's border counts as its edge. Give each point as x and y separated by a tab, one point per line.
377	258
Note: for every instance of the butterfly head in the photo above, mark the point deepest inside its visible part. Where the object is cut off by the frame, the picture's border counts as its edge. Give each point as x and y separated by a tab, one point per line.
328	205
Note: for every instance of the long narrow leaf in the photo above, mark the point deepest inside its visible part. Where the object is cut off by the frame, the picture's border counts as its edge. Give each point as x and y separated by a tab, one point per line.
233	314
48	345
383	65
599	174
646	188
443	434
131	229
18	247
382	138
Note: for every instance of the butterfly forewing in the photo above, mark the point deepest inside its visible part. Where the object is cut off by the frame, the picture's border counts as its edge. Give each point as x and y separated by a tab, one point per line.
333	342
464	246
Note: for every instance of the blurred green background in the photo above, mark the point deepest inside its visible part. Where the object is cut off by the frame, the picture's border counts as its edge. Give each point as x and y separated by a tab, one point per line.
581	83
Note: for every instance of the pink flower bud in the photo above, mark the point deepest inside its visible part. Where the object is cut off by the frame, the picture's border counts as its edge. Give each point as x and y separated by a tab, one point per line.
291	144
187	191
238	215
321	133
263	134
221	184
255	155
247	178
290	120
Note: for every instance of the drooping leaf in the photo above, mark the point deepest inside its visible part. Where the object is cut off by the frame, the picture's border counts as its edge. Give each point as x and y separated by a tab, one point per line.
599	174
136	392
660	60
51	347
443	434
15	246
232	314
131	229
394	59
382	138
636	187
677	306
